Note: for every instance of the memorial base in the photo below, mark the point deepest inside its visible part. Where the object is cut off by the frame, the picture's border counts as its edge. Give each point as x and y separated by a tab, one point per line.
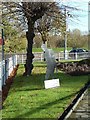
53	83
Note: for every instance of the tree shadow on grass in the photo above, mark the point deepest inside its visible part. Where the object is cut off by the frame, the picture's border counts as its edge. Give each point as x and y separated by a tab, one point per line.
36	81
46	106
29	89
33	82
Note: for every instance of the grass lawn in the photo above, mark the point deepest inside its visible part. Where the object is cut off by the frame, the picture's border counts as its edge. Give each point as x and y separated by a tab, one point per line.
27	97
55	49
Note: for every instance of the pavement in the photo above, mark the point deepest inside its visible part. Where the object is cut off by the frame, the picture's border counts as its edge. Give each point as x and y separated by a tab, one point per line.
82	111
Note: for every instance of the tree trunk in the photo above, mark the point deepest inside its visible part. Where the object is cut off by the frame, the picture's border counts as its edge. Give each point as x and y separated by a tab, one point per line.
29	35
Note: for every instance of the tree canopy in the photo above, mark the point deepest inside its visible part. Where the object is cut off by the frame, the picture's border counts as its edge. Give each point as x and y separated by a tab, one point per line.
23	15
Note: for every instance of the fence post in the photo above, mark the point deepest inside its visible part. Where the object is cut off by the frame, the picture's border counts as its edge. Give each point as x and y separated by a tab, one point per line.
4	74
41	57
13	61
6	68
22	58
16	60
59	56
76	55
10	65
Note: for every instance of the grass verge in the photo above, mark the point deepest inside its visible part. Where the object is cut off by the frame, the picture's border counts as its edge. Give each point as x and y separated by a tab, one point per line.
27	97
54	49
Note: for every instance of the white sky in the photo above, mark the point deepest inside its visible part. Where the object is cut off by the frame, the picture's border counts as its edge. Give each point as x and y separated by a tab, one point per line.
81	22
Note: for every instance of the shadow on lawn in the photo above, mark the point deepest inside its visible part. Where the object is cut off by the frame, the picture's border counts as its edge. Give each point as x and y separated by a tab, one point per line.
33	82
36	81
29	89
45	106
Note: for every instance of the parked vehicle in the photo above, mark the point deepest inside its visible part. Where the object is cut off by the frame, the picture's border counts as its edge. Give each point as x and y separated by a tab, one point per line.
79	52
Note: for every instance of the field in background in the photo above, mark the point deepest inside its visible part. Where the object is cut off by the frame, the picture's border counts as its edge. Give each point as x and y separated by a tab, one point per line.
54	49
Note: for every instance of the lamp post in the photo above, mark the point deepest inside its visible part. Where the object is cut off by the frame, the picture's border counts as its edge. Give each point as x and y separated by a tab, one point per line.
89	28
3	79
65	37
2	45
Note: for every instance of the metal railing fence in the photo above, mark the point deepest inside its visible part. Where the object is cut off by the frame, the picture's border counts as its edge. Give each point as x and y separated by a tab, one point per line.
6	67
39	56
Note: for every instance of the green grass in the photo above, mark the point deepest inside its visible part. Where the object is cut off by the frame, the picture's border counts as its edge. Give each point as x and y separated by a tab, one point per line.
55	49
61	49
37	50
27	97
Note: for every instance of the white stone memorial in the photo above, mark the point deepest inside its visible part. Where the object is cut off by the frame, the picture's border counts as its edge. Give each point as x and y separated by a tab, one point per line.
51	65
51	83
50	61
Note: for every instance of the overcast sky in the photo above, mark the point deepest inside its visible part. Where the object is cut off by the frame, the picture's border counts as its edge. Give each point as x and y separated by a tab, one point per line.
81	21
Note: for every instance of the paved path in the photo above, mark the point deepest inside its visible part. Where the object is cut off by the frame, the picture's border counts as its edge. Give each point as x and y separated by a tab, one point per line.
82	111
